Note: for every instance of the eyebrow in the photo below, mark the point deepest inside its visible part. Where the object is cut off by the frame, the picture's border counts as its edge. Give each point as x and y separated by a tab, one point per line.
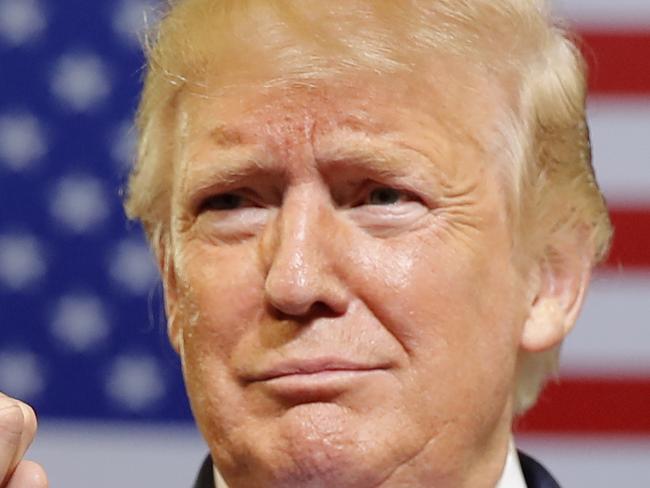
378	154
225	168
385	162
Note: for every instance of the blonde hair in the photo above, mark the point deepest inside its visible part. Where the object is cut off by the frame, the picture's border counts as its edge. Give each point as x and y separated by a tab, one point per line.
210	43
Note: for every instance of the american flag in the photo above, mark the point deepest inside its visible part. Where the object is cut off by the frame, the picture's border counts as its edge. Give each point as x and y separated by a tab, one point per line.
83	336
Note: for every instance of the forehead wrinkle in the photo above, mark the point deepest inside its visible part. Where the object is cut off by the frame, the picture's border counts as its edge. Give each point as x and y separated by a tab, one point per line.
306	110
361	121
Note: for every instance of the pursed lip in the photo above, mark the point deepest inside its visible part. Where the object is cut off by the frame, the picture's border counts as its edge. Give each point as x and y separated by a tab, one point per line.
305	367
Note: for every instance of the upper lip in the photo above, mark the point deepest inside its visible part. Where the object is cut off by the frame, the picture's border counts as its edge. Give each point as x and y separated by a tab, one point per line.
311	366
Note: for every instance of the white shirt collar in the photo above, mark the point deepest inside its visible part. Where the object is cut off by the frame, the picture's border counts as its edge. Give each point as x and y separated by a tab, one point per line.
512	476
218	479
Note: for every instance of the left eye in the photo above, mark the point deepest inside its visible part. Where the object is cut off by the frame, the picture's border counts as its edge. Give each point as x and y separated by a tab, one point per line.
384	196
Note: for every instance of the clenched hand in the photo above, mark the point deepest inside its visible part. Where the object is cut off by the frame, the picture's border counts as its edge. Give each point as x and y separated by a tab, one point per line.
17	429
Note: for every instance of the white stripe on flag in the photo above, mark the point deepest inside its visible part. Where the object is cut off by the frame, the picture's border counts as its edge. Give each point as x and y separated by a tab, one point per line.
605	14
596	462
620	131
109	455
610	338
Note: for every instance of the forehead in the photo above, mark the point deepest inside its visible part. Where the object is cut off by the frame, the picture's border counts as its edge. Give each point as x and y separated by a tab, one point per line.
449	111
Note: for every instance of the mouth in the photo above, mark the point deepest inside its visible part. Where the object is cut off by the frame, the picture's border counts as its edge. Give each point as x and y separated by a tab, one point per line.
312	367
314	379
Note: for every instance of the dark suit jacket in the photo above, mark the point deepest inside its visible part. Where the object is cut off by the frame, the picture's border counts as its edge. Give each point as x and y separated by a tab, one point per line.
534	474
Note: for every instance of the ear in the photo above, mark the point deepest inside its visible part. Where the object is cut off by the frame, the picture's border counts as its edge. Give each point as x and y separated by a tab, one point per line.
165	259
560	279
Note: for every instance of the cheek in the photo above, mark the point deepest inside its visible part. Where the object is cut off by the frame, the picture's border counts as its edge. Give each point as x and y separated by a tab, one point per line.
217	310
224	297
441	300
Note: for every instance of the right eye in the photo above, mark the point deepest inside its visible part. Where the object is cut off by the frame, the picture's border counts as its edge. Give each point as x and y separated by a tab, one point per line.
384	195
222	201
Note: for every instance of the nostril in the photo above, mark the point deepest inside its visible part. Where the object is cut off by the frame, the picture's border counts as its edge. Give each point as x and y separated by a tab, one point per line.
318	309
322	309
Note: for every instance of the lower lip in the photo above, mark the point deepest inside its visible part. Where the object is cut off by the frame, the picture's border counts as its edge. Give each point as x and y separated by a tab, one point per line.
318	385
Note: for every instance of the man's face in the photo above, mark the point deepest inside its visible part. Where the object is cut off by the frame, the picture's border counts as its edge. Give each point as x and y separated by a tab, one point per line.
344	297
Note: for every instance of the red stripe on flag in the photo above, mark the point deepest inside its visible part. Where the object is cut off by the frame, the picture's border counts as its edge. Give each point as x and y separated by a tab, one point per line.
631	246
619	62
591	406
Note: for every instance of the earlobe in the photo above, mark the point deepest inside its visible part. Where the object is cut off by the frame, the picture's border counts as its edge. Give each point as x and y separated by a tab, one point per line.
562	277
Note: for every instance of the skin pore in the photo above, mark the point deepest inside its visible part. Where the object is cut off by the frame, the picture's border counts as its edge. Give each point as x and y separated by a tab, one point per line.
341	285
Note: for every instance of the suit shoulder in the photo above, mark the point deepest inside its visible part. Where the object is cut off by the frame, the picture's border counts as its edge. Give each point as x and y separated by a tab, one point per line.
535	474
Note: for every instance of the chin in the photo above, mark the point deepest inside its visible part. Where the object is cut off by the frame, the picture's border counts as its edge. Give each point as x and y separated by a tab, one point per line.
317	445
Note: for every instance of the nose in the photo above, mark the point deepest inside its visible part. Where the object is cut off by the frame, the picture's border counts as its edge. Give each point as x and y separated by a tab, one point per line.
301	257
